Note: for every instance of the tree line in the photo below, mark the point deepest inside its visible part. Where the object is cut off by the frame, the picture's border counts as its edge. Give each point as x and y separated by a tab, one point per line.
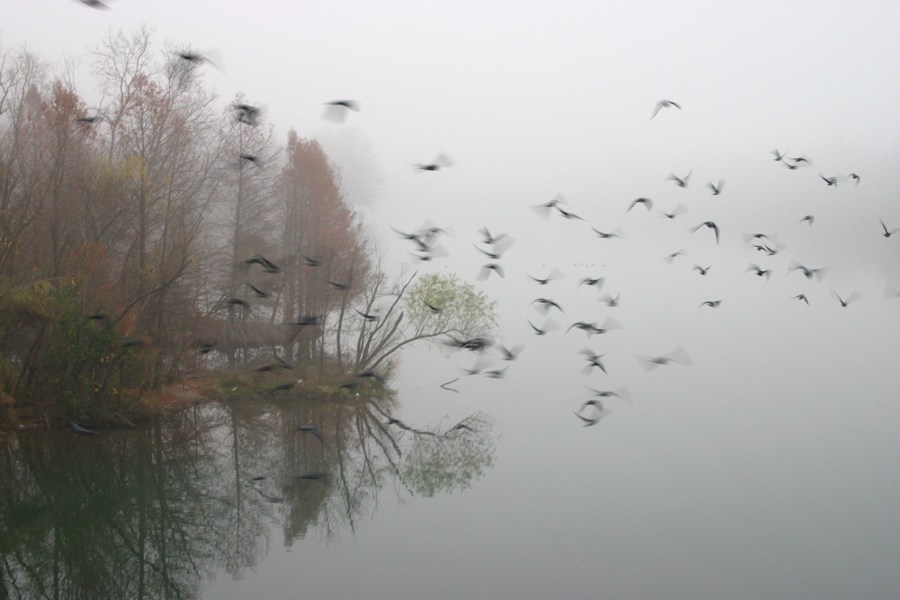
155	233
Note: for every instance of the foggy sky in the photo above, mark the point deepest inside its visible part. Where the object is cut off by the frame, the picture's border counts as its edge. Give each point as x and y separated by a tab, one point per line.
534	100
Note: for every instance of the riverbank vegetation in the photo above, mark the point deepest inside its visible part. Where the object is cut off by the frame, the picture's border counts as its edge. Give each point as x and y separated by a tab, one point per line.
158	235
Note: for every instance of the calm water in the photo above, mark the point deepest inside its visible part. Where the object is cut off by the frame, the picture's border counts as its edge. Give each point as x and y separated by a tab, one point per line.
703	487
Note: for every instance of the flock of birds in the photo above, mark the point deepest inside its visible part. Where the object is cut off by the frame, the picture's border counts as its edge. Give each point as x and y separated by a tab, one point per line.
427	247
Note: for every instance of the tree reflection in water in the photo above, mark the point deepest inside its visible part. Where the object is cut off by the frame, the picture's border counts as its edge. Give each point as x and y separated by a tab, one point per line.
151	513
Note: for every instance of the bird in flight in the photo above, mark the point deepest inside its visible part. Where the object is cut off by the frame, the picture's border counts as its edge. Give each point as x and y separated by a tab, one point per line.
711	225
888	232
716	189
594	417
593	359
681	182
646	202
854	296
664	104
807	272
336	110
759	271
802	297
779	157
678	356
553	275
711	303
830	181
680	209
441	161
854	177
546	304
702	270
808	219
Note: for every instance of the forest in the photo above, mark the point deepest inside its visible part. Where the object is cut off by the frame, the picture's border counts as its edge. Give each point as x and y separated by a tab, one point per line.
155	235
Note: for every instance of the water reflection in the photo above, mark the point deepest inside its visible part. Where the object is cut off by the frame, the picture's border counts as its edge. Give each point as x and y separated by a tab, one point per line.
151	513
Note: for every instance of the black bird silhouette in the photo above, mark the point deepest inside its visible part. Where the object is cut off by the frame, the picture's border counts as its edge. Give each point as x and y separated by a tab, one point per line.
779	157
95	4
339	286
596	415
802	297
511	353
887	233
711	303
716	189
246	113
679	209
622	393
808	219
546	304
853	297
711	225
545	208
807	272
607	235
336	110
592	328
594	281
856	178
196	58
488	237
441	161
566	214
549	325
368	317
265	263
663	104
830	181
681	182
90	120
646	202
671	257
759	271
258	292
593	359
702	270
551	276
487	269
434	309
610	301
678	356
311	262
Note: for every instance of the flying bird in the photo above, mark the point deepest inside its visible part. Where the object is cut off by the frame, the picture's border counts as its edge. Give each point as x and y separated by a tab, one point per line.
779	157
678	356
336	110
313	429
646	202
888	232
853	297
802	297
681	182
441	161
711	303
593	359
607	235
546	304
553	275
679	209
664	104
759	271
702	270
830	181
710	225
716	189
808	219
854	177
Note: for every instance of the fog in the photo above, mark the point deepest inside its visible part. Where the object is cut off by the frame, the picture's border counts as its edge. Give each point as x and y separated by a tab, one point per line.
766	467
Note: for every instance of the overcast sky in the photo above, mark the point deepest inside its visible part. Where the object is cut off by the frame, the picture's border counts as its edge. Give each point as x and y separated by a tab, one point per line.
536	99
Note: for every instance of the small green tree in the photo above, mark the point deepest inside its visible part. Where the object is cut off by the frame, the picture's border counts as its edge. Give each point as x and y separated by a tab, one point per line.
434	308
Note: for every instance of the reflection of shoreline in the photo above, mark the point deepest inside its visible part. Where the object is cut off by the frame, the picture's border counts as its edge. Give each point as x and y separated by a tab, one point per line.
151	513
